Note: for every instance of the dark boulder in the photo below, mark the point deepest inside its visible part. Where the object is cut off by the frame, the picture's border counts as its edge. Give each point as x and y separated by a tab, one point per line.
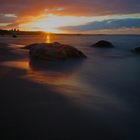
136	50
103	44
53	51
14	36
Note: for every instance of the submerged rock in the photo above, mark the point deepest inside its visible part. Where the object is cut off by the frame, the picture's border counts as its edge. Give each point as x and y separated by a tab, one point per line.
136	50
53	51
14	36
103	44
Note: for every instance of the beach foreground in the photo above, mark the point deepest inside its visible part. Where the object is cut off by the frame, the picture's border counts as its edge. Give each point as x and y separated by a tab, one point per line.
97	98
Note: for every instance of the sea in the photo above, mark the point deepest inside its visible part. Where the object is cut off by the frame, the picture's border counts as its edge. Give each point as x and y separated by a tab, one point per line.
105	86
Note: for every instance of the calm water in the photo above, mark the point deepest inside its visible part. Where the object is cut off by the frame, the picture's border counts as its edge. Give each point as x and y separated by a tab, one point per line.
106	84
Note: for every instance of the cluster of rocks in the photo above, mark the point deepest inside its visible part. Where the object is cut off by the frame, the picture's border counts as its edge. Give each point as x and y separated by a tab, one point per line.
107	44
58	51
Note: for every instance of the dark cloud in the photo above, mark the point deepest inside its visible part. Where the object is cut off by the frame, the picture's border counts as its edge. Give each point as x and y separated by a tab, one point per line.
7	18
106	24
72	7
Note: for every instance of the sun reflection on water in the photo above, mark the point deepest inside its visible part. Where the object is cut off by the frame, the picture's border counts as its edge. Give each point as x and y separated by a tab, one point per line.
40	75
48	38
63	83
24	65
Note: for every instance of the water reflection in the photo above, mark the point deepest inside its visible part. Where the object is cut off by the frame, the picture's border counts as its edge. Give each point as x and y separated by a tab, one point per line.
62	76
24	65
48	38
52	72
46	72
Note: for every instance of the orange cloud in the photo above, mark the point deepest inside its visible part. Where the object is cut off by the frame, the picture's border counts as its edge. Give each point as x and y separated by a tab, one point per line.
29	10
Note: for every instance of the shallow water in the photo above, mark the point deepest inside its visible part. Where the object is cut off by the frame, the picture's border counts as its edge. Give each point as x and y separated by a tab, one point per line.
106	84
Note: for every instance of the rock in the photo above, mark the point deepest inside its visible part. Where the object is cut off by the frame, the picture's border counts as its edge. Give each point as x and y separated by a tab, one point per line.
136	50
103	44
53	51
14	36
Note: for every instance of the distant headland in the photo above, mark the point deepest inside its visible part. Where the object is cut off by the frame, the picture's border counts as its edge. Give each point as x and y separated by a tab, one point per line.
18	32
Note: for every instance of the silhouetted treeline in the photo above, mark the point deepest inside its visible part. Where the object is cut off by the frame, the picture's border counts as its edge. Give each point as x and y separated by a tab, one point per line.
9	32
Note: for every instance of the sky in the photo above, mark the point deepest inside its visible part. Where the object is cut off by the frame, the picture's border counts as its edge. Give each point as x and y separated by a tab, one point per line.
72	16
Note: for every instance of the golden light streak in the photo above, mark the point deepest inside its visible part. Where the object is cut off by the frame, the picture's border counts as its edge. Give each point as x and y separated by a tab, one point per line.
48	38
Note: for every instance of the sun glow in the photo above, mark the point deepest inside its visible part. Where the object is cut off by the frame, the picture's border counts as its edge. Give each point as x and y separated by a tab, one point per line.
52	23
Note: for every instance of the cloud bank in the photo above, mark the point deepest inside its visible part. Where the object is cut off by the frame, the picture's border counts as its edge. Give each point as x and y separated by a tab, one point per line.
106	24
72	7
